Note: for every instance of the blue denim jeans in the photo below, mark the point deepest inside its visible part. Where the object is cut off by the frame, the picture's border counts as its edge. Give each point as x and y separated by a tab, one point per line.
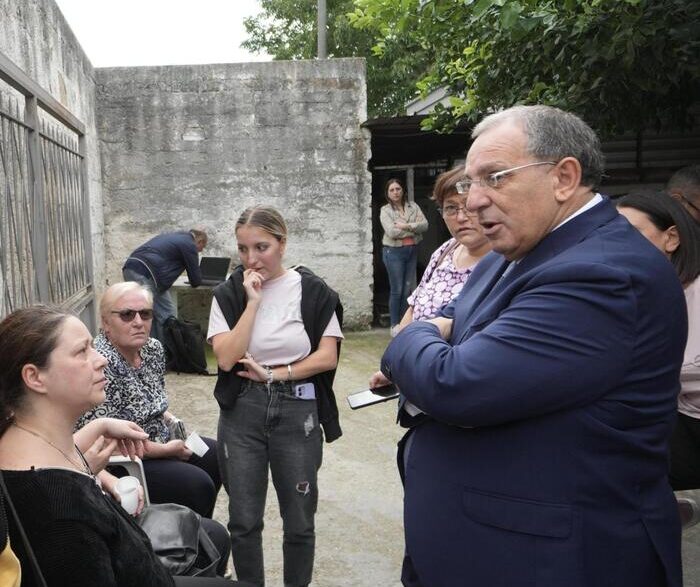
163	306
400	263
271	430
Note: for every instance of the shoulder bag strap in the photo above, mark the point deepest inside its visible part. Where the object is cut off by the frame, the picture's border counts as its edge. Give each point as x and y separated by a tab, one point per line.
444	254
28	547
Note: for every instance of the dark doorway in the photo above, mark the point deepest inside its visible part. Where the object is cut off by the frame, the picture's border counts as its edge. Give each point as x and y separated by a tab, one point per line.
401	149
419	182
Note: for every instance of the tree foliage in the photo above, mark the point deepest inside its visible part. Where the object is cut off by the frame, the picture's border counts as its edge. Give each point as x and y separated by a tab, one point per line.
286	29
621	64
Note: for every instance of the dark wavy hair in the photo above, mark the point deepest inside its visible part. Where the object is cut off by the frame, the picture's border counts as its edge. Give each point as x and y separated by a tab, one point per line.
664	212
27	336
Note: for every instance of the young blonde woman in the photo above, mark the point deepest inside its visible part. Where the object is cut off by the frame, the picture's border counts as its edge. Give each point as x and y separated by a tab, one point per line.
276	336
403	223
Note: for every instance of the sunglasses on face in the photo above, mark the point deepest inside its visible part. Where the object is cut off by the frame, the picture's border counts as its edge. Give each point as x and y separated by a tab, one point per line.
128	315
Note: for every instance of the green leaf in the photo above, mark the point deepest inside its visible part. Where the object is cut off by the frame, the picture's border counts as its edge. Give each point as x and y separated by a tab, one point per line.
510	14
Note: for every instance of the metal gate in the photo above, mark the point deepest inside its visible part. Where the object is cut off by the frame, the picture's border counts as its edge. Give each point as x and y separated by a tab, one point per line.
45	242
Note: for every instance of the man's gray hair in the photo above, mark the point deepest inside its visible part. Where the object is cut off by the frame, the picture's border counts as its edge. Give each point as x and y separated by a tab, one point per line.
553	134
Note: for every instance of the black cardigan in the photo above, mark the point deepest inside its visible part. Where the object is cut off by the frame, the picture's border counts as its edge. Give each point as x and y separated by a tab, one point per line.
80	536
318	303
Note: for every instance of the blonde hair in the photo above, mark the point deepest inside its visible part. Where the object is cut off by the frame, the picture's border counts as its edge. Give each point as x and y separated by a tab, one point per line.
116	291
265	217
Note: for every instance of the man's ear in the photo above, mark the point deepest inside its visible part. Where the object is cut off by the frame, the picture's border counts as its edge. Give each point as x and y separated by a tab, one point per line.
671	239
33	378
567	178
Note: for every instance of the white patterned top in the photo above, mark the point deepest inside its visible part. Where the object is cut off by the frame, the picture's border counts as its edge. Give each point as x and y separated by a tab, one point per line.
439	286
137	395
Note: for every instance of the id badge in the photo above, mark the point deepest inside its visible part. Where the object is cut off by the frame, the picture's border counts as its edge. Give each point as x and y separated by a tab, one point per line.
305	391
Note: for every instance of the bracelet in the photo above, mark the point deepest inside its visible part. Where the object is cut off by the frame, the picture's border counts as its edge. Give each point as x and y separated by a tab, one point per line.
289	372
268	370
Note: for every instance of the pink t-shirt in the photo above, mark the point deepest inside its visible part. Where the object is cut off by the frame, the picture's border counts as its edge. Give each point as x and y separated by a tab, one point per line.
439	286
278	336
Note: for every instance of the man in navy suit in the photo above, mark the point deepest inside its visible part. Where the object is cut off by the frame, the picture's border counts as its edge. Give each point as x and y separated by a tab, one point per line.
549	384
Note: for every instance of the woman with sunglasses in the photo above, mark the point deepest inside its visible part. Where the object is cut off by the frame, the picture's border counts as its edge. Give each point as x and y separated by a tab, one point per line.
667	225
135	391
403	223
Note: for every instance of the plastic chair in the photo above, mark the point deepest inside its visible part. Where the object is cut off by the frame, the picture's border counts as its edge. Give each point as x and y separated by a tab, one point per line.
133	468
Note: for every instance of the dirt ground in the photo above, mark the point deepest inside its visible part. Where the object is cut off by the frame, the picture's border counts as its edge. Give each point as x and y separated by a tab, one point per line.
359	536
359	533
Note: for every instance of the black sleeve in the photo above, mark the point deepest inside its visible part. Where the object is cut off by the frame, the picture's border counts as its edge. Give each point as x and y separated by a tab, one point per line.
72	553
191	259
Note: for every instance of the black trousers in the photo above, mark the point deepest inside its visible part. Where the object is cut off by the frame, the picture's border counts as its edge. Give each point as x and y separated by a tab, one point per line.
194	483
220	537
685	454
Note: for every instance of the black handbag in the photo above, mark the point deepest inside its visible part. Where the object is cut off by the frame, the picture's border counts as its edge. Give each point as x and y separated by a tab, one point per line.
178	539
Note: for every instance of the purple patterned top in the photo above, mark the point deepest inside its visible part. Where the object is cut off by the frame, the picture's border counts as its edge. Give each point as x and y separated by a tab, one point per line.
444	284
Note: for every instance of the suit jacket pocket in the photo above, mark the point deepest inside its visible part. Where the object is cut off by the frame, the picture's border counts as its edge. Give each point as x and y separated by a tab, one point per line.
518	515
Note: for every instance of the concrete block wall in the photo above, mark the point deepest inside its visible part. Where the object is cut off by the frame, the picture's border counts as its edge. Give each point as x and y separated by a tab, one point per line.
36	37
186	146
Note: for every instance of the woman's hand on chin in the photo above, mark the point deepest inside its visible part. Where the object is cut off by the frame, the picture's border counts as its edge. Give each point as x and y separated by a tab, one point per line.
252	283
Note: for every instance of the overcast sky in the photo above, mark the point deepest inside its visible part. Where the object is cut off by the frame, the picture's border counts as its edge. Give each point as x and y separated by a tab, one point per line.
160	32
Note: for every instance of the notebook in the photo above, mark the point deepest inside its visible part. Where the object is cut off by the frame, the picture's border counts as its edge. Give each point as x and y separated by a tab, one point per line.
214	269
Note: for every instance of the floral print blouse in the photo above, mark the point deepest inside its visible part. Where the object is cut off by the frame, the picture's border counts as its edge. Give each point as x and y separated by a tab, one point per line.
439	285
137	395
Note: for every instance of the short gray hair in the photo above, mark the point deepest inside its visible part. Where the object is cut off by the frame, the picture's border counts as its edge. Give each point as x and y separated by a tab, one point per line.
554	134
118	290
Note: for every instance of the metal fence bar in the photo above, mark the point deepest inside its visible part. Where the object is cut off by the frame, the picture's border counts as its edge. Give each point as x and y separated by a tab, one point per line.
41	265
16	252
45	235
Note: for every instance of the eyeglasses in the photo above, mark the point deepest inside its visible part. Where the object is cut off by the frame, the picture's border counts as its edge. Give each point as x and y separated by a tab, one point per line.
451	211
128	315
493	180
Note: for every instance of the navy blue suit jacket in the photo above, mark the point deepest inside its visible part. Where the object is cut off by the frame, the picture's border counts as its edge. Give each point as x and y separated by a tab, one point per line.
166	255
544	460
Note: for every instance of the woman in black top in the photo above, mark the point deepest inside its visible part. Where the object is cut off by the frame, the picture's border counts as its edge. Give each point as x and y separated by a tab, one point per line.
49	375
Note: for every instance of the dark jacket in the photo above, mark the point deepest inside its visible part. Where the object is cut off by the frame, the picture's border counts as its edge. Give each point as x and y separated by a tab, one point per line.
318	303
164	257
550	410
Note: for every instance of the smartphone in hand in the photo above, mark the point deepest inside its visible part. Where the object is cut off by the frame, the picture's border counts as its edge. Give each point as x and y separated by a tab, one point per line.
369	397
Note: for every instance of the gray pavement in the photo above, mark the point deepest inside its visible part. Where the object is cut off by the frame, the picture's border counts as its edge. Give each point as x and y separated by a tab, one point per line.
359	532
